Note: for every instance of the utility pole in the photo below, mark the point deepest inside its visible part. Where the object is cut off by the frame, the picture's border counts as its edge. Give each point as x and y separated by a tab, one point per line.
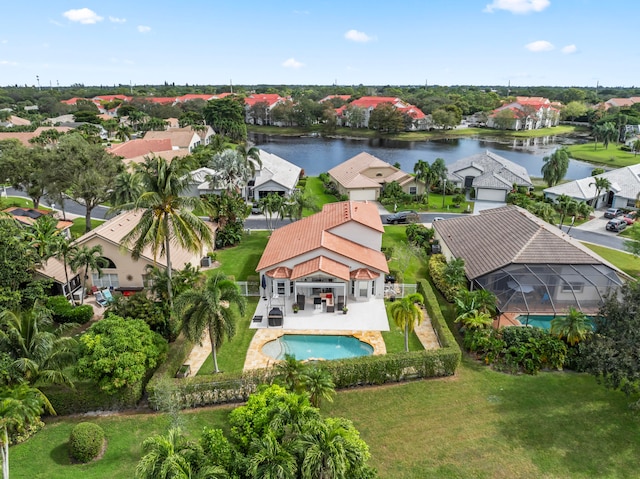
38	80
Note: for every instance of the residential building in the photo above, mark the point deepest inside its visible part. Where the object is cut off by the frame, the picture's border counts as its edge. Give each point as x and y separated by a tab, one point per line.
182	138
529	113
275	175
268	101
369	103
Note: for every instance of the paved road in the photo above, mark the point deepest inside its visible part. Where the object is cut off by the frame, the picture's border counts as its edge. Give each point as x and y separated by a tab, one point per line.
608	239
73	208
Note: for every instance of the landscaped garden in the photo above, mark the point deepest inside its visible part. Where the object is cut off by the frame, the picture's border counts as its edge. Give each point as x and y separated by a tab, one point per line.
613	156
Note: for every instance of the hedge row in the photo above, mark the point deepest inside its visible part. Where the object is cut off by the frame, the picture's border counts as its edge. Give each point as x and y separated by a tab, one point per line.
64	312
437	265
87	396
446	337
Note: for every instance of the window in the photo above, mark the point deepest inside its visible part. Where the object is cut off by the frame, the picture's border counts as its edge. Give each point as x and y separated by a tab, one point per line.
413	190
373	288
631	203
572	287
280	286
109	264
107	280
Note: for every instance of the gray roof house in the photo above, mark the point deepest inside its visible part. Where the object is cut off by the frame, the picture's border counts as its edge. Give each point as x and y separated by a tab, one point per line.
276	175
531	266
623	193
490	175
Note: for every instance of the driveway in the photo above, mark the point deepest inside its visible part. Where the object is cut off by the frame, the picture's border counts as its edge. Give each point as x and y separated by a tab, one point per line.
597	225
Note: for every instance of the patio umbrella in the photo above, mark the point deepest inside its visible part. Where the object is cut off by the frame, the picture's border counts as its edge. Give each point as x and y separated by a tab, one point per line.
264	286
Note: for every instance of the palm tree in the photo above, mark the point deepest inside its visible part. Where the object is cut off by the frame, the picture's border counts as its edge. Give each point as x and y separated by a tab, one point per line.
127	188
297	203
273	204
469	303
123	132
424	173
232	172
454	272
407	314
43	236
19	407
251	156
325	451
40	354
439	168
65	250
609	132
584	209
574	327
635	146
601	184
476	320
566	205
268	459
210	308
167	217
167	457
317	382
555	166
91	259
289	372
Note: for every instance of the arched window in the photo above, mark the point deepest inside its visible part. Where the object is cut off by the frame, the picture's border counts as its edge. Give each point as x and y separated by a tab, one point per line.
110	264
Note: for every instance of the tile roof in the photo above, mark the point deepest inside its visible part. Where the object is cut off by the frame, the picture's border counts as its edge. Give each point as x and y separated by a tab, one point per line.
167	155
197	96
321	264
625	182
140	147
314	233
350	173
28	216
24	137
501	236
180	137
330	97
364	274
497	172
268	98
281	272
278	170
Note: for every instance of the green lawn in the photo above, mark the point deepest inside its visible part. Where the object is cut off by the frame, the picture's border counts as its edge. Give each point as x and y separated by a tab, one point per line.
18	201
233	353
314	189
479	424
241	261
78	228
627	262
612	156
434	206
394	338
403	259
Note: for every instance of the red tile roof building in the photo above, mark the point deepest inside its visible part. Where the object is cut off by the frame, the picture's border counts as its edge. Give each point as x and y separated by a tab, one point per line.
370	103
529	113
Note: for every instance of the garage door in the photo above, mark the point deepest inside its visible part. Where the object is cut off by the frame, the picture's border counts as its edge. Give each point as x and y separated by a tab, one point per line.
362	195
490	195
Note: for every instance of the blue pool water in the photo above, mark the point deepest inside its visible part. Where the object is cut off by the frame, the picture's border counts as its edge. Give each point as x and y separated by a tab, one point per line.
305	346
540	321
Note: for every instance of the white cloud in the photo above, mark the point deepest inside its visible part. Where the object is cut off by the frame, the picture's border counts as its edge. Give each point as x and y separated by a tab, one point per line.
518	6
82	15
144	29
356	36
569	49
6	62
292	63
539	46
4	42
116	19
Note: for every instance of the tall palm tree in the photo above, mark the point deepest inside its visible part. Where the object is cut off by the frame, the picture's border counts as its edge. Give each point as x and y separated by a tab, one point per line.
167	457
555	166
273	205
424	173
325	451
250	155
167	216
43	236
19	407
268	459
90	258
601	184
317	382
407	314
574	327
566	205
210	309
40	354
127	188
439	168
64	251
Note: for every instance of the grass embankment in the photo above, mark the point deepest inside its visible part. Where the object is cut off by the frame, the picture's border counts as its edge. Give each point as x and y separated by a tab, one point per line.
627	262
613	156
479	424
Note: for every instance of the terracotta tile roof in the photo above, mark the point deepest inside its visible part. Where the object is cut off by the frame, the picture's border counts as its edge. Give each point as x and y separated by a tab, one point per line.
268	98
24	137
196	96
313	233
28	216
498	237
364	274
321	264
281	272
112	97
373	101
17	121
350	173
180	137
72	101
167	155
140	147
162	100
330	97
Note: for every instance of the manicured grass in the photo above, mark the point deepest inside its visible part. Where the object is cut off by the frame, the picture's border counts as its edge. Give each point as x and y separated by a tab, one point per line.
314	189
18	201
233	353
241	261
403	258
434	206
480	424
627	262
612	156
78	228
394	338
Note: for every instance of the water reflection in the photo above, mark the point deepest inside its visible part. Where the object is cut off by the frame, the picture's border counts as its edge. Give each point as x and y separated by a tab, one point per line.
316	155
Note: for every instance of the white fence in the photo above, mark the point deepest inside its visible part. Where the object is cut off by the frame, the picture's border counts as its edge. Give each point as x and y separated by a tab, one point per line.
395	290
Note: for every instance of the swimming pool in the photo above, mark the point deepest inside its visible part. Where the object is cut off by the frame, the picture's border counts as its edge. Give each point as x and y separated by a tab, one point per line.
307	346
540	321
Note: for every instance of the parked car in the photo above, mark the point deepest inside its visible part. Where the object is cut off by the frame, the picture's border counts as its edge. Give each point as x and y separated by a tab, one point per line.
438	218
403	217
612	213
630	217
256	209
616	225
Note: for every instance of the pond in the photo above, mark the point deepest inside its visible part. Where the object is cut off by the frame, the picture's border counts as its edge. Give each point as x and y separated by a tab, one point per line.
316	155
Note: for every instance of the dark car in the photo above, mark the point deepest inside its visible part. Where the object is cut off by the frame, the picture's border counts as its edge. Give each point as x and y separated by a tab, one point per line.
403	217
612	213
616	225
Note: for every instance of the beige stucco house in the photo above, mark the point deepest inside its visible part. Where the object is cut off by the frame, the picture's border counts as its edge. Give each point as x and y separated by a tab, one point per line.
364	176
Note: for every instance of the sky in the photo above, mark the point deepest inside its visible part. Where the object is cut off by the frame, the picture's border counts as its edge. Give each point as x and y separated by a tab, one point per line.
320	42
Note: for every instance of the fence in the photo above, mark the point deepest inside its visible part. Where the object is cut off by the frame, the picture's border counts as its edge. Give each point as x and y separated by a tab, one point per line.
249	288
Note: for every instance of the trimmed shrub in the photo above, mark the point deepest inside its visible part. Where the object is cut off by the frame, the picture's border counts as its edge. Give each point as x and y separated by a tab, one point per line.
64	312
86	396
437	265
85	441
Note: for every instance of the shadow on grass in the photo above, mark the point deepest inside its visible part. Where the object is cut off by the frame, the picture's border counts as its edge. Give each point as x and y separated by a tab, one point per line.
60	454
569	424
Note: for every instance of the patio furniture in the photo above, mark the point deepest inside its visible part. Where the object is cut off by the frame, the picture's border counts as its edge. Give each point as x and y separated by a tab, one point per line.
257	319
100	299
317	304
340	303
300	299
275	317
107	295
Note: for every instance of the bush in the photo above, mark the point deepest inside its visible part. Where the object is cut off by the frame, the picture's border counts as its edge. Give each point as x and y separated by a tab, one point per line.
437	265
85	441
64	312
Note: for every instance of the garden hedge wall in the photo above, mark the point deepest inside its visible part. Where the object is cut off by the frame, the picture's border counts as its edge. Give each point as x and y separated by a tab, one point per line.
87	396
